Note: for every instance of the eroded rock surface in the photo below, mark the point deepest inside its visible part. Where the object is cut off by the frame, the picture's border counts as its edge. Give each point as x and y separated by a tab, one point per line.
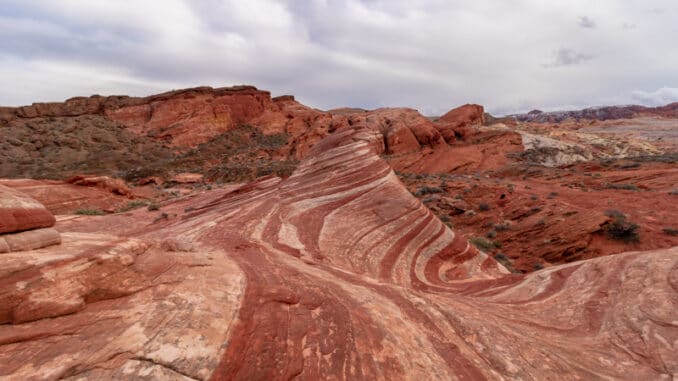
20	212
336	272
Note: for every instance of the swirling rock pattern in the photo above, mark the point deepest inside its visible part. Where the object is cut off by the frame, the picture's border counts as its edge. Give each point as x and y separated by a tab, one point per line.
334	273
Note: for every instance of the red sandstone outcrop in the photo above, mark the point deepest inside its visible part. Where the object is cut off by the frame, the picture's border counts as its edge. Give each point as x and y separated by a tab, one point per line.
336	272
25	224
116	186
20	212
29	240
457	122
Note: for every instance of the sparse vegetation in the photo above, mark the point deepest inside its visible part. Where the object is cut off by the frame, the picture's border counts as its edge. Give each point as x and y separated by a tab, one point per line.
506	262
132	205
670	231
620	229
484	244
153	206
630	187
90	212
162	216
506	225
427	190
483	207
446	220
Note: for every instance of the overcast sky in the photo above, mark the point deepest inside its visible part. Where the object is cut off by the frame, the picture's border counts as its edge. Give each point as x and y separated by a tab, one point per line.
431	55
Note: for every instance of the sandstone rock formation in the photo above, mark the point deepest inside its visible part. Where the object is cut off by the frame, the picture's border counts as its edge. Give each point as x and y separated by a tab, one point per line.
62	197
336	272
19	212
24	222
456	123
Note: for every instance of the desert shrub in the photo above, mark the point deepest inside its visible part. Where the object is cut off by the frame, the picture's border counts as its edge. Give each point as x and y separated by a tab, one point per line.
90	212
629	165
491	234
427	190
504	226
630	187
673	192
670	231
162	216
484	244
537	266
620	229
506	262
153	206
552	195
483	207
132	205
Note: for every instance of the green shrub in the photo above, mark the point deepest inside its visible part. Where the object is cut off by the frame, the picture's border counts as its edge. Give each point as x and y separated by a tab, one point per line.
427	190
132	205
483	243
620	229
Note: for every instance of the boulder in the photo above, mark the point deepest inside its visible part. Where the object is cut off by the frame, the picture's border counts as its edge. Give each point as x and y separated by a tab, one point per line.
20	212
457	122
29	240
116	186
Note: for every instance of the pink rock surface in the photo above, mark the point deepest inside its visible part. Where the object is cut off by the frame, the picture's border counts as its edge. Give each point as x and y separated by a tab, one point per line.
188	178
336	272
60	197
20	212
29	240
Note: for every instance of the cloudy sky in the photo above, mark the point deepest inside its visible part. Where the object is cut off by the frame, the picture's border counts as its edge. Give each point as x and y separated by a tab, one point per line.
428	54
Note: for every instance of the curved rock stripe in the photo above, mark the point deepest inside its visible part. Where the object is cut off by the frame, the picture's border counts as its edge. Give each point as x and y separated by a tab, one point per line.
334	273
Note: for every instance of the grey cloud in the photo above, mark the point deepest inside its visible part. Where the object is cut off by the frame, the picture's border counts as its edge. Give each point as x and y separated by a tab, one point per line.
431	54
568	57
586	22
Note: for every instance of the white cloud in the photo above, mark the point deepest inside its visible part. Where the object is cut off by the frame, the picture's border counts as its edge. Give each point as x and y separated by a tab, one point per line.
658	97
431	55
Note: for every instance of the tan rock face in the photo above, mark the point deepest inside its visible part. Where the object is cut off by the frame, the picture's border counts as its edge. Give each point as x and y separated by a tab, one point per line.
336	272
19	212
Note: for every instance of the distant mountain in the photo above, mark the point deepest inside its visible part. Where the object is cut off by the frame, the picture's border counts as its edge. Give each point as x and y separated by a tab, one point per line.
599	113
